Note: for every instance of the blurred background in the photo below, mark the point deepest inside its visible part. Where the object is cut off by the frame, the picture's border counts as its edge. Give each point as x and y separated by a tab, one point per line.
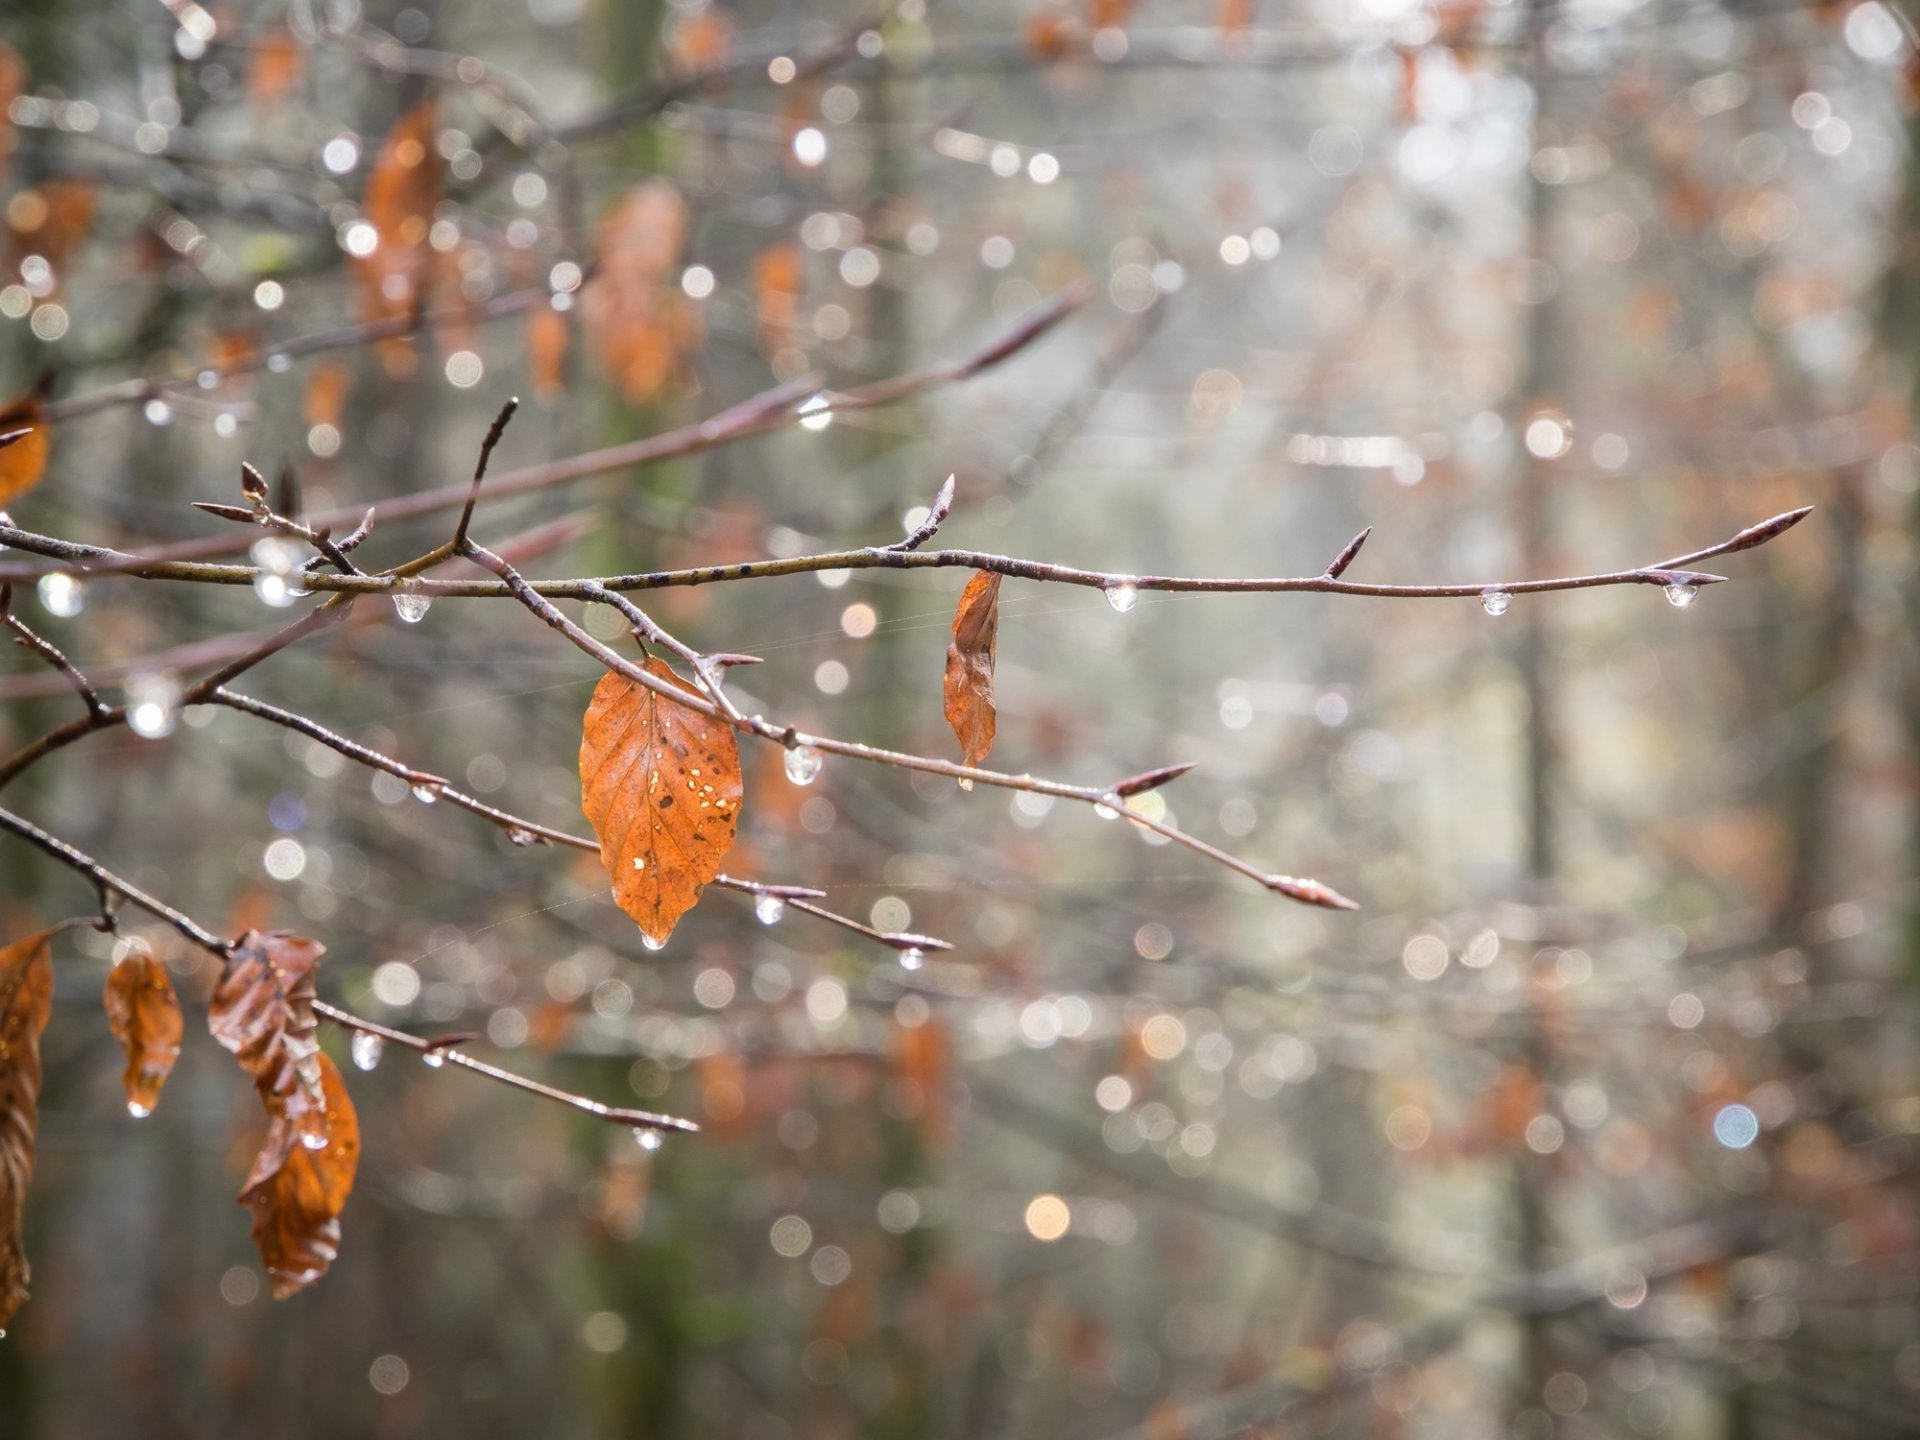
1598	1119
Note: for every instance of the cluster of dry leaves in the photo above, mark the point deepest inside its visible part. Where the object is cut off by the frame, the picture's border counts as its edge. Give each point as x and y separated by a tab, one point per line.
661	784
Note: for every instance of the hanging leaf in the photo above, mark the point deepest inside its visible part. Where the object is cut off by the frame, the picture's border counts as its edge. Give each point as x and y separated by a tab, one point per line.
399	201
144	1016
262	1011
26	1001
779	272
24	461
970	656
639	327
275	69
661	787
547	352
301	1180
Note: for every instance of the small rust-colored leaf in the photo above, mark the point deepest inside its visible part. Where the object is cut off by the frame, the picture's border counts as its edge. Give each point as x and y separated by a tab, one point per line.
779	272
547	352
26	1002
145	1018
300	1181
262	1011
399	201
661	787
277	60
970	657
24	461
638	328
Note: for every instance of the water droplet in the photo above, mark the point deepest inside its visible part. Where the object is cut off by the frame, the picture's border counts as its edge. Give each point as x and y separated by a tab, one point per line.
912	958
965	783
651	943
803	764
520	837
1681	594
1122	595
153	704
433	1059
1495	602
273	590
1106	812
648	1138
769	908
62	595
426	794
815	412
411	606
313	1140
137	1110
366	1049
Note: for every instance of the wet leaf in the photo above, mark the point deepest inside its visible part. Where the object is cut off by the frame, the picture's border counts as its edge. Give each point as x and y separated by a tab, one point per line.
144	1016
262	1011
298	1187
970	657
661	787
24	461
26	1001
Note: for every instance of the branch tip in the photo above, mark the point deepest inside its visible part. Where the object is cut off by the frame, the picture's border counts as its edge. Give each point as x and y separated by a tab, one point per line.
1338	565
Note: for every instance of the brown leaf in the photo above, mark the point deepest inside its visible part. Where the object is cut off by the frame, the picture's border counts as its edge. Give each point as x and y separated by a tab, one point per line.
779	272
661	787
26	1001
277	61
970	656
638	326
25	461
145	1018
399	201
262	1011
300	1182
547	351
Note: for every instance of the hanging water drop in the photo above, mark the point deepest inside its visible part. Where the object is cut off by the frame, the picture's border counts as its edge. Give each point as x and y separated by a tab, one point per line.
137	1110
648	1138
62	595
426	794
651	943
1495	602
1122	595
912	958
153	704
1682	593
769	909
803	764
520	837
966	783
815	412
411	605
313	1139
367	1049
433	1059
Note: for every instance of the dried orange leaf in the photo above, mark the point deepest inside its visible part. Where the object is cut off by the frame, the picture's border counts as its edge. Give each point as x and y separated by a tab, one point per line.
399	201
275	70
638	329
144	1016
262	1011
24	461
661	787
300	1183
26	1002
970	656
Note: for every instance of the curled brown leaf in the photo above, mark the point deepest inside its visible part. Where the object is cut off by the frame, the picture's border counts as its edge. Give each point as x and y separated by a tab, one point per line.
26	1002
300	1182
23	462
262	1011
970	658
